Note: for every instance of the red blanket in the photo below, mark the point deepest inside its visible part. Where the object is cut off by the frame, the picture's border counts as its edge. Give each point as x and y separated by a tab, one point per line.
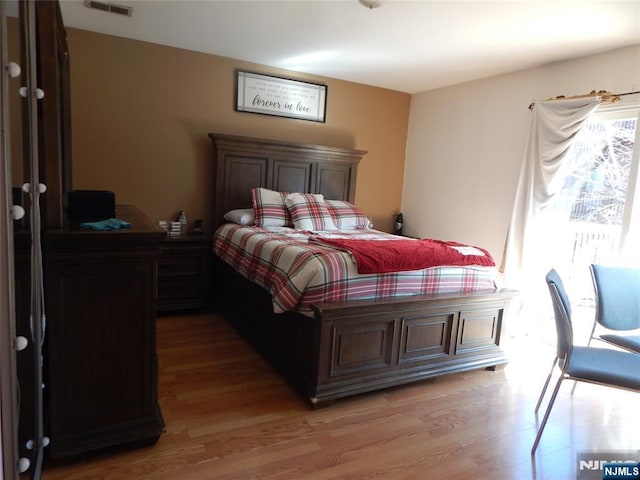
385	256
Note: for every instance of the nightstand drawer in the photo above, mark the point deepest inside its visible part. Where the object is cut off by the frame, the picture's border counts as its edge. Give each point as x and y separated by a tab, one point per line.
182	265
181	291
184	272
172	246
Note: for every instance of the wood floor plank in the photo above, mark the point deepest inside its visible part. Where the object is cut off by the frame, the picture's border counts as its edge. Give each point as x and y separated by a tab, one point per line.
230	416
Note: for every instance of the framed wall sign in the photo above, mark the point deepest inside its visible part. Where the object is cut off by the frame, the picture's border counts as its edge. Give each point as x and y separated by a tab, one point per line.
281	97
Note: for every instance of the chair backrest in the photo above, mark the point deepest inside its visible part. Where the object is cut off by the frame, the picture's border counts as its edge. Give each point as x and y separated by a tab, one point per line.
562	313
617	292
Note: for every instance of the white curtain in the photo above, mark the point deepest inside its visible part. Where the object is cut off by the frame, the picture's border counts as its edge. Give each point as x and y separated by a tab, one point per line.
554	125
629	255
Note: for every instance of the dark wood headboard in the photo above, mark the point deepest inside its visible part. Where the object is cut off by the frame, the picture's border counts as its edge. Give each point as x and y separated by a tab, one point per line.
242	163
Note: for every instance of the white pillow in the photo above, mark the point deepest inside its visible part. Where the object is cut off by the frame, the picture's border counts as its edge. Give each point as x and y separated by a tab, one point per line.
241	216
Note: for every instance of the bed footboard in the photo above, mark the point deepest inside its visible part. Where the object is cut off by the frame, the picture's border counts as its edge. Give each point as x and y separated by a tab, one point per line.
367	345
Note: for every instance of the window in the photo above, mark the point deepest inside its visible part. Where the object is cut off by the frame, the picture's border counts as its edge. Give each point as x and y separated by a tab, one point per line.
577	202
596	201
594	216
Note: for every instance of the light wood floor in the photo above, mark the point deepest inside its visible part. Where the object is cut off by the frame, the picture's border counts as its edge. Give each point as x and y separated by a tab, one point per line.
230	416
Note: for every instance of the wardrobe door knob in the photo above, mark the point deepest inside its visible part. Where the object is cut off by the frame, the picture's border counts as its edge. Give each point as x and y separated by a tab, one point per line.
13	69
21	343
23	464
24	92
17	212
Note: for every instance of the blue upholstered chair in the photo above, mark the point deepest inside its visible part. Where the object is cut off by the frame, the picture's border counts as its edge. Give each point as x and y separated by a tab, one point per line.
617	292
603	366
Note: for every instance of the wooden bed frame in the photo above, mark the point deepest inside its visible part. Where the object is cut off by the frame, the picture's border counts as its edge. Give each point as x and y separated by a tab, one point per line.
356	346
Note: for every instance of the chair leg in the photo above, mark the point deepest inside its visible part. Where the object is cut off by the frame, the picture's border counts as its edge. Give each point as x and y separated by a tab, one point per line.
591	337
546	384
546	415
593	331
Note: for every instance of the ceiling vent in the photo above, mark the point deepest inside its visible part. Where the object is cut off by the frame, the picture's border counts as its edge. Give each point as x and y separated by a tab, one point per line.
109	7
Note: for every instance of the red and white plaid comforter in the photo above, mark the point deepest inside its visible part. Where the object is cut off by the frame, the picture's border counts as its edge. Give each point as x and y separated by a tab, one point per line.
298	273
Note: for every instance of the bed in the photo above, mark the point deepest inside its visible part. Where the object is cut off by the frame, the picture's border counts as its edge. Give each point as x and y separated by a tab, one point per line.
333	349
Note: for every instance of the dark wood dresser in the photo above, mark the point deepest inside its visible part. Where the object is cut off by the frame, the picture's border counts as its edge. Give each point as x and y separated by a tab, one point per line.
184	273
100	361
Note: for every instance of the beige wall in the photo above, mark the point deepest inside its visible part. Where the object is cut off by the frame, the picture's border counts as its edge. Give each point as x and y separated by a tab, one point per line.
141	114
466	143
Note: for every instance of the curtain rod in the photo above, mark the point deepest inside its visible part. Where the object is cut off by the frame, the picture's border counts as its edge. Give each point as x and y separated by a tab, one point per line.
608	97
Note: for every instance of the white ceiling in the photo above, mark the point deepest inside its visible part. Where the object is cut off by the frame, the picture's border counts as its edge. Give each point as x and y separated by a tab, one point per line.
409	46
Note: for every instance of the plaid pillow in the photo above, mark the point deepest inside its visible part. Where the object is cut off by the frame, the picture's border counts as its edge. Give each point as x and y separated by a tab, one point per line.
269	209
346	216
309	212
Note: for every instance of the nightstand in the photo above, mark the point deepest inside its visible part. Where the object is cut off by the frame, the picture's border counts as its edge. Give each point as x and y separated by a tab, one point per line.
184	273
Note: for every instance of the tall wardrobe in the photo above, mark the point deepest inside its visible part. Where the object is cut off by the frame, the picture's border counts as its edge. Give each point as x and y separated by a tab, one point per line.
85	301
33	141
